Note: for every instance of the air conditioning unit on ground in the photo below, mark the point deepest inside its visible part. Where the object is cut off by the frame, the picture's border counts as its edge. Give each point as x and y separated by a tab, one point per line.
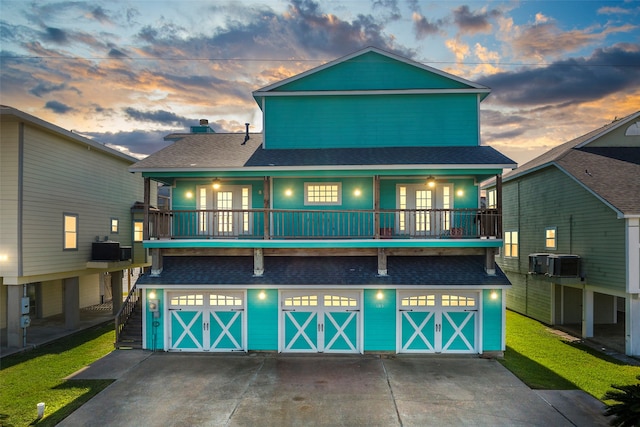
538	263
561	265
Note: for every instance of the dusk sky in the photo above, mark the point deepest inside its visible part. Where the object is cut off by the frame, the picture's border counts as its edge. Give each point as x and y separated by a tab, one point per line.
127	73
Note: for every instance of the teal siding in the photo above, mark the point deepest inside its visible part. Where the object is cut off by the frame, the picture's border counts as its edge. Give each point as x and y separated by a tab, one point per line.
155	325
349	200
492	331
379	320
180	200
371	121
371	71
262	320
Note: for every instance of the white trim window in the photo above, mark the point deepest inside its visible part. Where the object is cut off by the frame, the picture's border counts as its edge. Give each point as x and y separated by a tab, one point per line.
114	225
511	244
138	231
322	193
70	231
551	238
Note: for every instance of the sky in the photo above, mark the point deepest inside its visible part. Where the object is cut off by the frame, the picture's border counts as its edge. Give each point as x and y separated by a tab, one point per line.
128	73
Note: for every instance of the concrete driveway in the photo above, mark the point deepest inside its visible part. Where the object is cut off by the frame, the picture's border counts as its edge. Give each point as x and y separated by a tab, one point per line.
169	389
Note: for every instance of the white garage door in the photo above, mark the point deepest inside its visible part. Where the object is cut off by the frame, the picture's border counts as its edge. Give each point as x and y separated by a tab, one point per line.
206	321
320	322
437	322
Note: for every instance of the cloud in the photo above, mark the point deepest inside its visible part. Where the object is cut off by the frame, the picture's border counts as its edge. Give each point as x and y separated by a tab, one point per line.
474	22
423	27
573	80
100	15
137	143
55	35
57	107
159	117
45	88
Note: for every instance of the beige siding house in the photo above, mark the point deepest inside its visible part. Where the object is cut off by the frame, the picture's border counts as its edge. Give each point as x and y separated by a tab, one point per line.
60	193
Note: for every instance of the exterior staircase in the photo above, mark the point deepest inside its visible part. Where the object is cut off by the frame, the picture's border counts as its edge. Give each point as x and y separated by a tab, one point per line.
129	324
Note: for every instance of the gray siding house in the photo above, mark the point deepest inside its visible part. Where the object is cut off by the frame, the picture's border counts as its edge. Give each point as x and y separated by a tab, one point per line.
571	235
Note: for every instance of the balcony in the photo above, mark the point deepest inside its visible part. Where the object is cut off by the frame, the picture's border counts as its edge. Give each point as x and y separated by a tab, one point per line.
273	224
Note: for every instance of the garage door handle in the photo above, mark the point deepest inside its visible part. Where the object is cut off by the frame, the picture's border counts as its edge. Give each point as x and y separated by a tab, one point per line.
175	309
472	310
237	309
353	310
406	310
291	309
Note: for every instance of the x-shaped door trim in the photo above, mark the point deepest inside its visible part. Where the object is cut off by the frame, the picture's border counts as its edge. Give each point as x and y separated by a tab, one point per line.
300	330
187	329
340	330
225	330
458	330
417	330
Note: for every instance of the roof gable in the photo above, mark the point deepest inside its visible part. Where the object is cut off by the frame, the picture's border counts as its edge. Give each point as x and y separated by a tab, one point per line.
369	70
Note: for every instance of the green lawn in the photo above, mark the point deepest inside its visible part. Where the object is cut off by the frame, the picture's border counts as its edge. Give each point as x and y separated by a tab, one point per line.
544	360
38	376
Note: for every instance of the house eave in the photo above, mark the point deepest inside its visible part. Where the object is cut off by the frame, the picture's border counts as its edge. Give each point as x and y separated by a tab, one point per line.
262	93
263	170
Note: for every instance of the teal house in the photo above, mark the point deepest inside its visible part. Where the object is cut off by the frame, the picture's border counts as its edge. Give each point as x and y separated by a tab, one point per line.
571	236
352	223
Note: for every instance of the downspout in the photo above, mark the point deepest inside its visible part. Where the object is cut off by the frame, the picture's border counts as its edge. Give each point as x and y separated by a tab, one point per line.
20	194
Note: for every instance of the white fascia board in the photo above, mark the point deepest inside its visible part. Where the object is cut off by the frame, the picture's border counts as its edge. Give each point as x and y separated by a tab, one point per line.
370	92
325	167
203	286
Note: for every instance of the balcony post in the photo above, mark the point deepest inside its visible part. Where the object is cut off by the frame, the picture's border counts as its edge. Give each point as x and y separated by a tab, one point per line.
376	209
147	199
499	205
267	207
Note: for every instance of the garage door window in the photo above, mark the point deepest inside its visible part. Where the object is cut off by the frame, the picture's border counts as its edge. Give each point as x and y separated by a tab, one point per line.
419	301
224	300
188	300
301	301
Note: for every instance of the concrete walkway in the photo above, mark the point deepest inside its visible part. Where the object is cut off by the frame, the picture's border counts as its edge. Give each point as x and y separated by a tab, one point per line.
172	389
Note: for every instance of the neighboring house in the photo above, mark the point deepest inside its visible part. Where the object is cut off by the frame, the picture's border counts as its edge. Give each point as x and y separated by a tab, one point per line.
60	193
572	246
352	224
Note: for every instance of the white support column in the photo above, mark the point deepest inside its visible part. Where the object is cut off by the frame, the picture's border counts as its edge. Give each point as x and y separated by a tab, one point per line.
587	313
156	262
632	325
258	262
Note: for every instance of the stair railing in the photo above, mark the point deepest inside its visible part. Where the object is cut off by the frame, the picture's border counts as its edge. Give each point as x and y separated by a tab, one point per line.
125	311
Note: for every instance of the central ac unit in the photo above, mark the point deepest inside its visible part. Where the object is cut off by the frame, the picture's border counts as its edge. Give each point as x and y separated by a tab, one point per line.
538	263
561	265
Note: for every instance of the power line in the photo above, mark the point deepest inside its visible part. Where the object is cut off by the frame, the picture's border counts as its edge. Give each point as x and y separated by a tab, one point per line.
216	59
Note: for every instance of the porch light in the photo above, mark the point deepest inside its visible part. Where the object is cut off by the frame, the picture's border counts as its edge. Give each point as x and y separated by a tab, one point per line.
357	192
215	184
262	295
152	294
379	295
189	195
431	181
460	193
493	295
4	258
288	192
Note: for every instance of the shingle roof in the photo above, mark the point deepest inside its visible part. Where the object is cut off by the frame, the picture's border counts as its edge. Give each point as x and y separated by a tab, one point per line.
611	173
477	155
201	152
330	271
218	151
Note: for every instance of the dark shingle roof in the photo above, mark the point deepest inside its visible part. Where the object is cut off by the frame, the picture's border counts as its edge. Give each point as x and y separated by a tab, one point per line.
475	155
330	271
610	172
